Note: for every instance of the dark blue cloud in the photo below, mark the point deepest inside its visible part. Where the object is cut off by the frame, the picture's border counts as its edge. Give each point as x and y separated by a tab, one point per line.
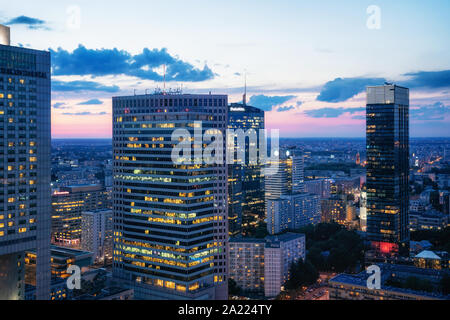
78	86
266	103
91	102
85	113
342	89
32	23
284	109
435	112
428	79
102	62
59	105
331	112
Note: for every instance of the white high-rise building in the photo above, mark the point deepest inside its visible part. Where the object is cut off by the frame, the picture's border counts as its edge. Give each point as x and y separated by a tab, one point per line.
97	234
298	172
261	266
276	184
292	212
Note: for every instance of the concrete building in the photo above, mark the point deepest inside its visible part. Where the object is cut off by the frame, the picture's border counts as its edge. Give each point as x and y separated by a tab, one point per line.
320	187
428	220
334	209
61	259
24	166
354	286
293	211
247	264
67	206
97	234
170	215
261	266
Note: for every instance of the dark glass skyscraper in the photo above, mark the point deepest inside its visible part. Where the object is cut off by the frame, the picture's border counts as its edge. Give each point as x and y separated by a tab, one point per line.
387	167
245	181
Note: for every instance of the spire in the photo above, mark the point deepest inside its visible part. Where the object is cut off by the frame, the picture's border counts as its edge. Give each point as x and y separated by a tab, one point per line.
244	98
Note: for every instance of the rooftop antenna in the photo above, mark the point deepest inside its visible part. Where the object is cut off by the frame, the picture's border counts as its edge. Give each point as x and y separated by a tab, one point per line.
164	90
244	98
134	91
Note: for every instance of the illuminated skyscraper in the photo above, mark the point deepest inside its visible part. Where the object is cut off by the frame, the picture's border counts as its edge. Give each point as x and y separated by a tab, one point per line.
170	218
246	181
289	179
387	167
67	206
24	166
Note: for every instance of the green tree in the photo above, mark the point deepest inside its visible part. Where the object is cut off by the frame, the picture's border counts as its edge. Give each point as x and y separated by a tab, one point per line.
301	274
233	288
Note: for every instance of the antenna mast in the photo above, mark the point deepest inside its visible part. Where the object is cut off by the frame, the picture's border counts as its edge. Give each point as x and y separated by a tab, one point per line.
164	90
244	98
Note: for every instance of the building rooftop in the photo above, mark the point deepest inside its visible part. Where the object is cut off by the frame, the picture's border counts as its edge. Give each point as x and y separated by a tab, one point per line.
284	237
272	239
246	240
426	254
389	270
169	94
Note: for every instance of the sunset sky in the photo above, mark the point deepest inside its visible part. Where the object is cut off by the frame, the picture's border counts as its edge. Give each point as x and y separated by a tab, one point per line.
307	62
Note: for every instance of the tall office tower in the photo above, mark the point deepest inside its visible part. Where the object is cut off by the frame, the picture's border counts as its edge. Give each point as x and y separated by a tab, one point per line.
276	184
24	166
170	217
235	199
387	168
244	117
289	178
67	206
296	171
97	234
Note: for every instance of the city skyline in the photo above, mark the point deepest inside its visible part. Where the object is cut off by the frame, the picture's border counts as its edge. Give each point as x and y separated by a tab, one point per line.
232	152
307	88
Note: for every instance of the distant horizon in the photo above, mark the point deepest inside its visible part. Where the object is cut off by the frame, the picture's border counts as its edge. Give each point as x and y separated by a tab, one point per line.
415	137
308	77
